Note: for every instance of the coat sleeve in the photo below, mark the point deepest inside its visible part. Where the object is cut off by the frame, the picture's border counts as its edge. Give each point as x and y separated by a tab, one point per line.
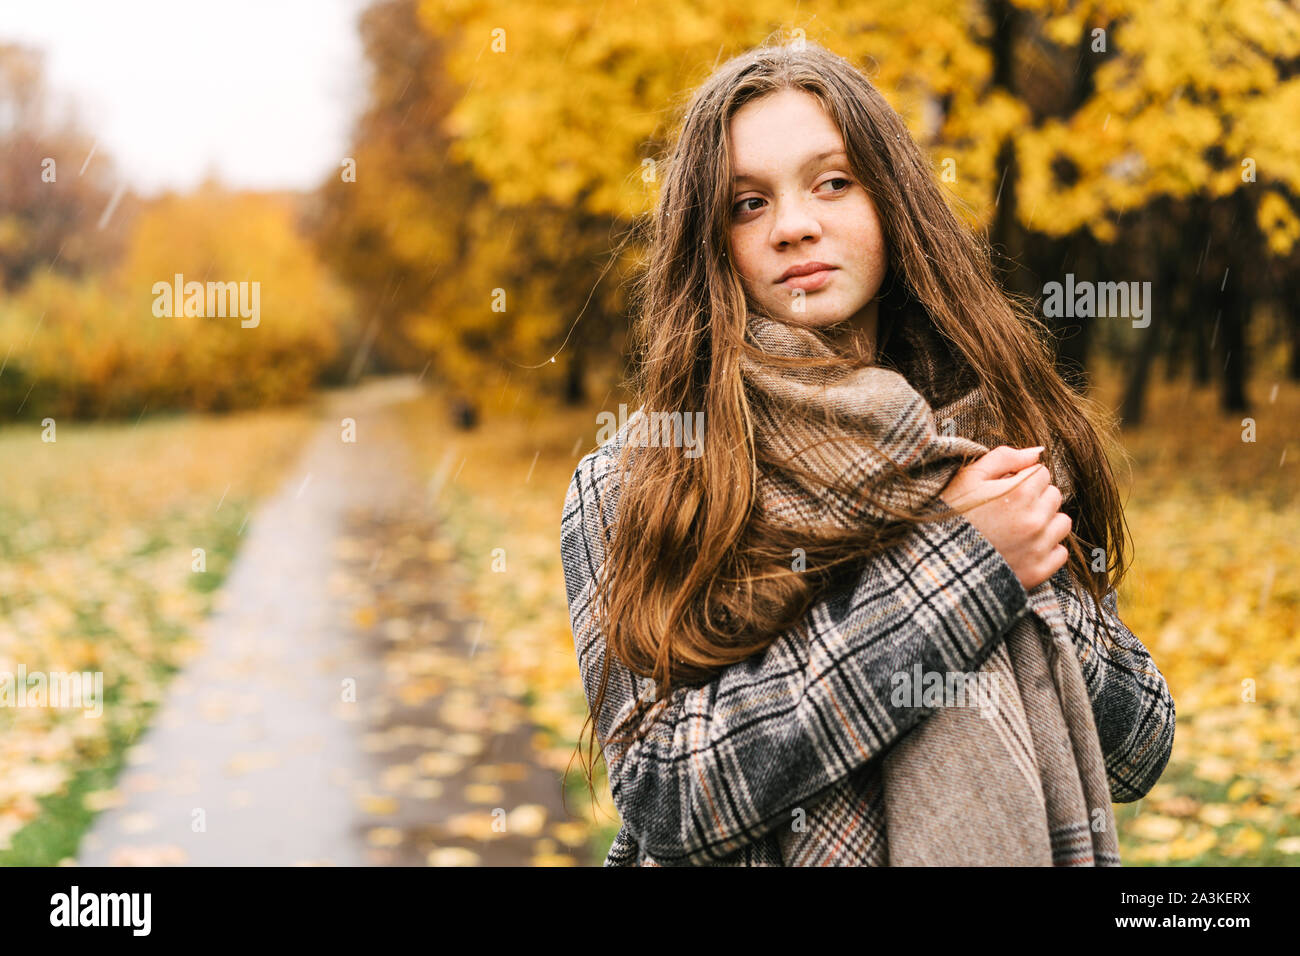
718	766
1131	703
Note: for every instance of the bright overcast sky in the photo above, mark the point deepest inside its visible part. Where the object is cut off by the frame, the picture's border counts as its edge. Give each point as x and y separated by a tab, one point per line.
261	91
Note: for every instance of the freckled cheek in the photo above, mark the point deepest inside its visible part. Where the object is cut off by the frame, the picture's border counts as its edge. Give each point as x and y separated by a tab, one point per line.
747	256
865	239
858	224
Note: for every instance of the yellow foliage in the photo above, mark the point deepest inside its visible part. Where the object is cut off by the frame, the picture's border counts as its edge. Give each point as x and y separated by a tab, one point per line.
564	101
95	346
1279	222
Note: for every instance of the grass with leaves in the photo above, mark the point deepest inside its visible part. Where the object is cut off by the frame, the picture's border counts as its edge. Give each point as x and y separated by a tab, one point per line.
1215	596
98	531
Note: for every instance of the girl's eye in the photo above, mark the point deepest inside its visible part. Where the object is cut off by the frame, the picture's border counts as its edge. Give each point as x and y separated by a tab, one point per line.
739	208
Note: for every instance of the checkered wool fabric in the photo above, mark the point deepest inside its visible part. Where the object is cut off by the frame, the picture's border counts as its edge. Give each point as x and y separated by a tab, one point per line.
781	759
1032	741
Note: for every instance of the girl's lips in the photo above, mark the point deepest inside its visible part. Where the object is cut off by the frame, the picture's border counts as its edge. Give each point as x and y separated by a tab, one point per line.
814	280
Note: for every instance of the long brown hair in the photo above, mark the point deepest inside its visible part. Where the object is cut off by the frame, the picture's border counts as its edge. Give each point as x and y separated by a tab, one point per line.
696	578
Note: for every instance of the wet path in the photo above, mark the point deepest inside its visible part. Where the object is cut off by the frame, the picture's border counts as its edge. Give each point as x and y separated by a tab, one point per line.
338	713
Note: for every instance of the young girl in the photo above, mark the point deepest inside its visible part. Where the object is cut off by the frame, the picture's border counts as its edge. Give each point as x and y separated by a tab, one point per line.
742	617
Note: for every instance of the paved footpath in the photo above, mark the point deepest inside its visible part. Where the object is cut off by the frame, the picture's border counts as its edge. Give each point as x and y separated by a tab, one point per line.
337	713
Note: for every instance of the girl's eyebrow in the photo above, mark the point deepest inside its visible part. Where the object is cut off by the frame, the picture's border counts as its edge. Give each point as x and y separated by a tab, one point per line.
746	177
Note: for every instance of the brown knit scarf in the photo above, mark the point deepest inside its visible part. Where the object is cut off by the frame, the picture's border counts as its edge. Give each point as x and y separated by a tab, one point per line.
1020	779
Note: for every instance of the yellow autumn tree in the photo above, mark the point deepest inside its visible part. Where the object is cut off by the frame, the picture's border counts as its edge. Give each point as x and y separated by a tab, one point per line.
476	292
98	347
1056	124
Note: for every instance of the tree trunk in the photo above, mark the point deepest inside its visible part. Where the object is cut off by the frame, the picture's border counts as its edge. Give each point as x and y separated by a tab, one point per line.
1135	391
1082	255
1204	348
1289	309
575	387
464	414
1233	336
1005	234
1294	369
1236	304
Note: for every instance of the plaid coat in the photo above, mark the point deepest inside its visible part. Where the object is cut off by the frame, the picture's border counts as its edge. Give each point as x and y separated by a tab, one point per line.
724	765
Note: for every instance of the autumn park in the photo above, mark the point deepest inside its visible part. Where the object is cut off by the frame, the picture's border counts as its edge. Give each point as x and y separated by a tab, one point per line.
284	467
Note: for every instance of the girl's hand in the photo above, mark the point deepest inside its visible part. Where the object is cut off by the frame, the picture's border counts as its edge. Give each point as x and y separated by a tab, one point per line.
1013	503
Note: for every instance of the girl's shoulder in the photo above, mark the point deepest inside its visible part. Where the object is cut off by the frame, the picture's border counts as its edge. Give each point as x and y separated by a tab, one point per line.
593	486
598	461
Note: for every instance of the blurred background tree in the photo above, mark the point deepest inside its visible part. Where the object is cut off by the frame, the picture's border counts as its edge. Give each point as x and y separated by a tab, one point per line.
483	219
1121	141
452	275
53	191
101	351
79	256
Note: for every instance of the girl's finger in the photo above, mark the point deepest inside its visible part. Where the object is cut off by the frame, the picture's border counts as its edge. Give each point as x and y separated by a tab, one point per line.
997	487
1004	459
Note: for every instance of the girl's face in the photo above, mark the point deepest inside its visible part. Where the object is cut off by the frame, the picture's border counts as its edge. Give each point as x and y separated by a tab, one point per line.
796	203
